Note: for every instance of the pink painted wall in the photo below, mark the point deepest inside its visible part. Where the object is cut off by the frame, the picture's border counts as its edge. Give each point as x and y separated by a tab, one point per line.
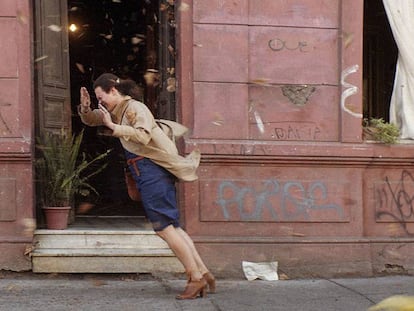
273	93
16	175
283	176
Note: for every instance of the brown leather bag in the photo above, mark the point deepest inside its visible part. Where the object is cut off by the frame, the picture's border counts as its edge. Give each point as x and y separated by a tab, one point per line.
133	192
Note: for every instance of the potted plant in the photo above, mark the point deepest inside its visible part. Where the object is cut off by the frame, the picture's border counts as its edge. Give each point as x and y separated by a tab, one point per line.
62	173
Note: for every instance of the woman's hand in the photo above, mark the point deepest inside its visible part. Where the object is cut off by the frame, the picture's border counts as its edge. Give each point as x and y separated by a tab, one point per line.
85	100
106	117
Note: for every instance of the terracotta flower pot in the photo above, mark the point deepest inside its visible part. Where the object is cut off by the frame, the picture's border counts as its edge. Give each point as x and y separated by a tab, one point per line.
57	217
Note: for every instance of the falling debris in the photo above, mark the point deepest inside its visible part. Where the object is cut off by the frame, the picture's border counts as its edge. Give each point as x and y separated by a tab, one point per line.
29	226
259	122
136	40
80	67
171	85
151	77
41	58
183	7
261	81
22	18
218	119
348	39
55	28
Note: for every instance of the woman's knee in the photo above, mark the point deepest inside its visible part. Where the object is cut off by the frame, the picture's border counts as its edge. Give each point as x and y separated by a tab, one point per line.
165	232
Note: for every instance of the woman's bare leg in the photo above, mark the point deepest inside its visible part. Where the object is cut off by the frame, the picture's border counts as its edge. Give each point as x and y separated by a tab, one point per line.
182	250
200	264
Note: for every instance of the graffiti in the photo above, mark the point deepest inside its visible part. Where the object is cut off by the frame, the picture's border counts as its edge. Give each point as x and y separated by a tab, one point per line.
288	201
396	200
3	121
299	131
350	89
278	45
235	149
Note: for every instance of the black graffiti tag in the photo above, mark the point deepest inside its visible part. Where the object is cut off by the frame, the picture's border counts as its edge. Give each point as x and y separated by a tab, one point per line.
397	200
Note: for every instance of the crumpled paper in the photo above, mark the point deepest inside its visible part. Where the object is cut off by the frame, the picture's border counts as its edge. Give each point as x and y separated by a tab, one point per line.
266	271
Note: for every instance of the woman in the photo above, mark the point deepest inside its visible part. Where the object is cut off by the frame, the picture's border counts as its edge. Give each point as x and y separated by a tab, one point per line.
155	164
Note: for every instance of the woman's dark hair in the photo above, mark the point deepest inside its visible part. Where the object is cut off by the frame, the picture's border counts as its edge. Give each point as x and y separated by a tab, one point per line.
126	87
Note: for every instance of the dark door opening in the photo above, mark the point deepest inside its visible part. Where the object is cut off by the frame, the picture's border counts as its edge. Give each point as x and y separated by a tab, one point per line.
380	58
132	39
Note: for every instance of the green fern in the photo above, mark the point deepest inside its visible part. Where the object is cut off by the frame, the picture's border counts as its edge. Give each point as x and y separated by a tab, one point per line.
61	168
381	131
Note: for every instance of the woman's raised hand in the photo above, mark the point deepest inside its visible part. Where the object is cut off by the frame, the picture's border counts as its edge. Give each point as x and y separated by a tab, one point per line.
85	100
106	117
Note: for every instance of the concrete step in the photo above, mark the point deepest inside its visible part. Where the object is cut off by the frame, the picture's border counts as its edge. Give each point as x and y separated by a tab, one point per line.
116	260
83	250
51	239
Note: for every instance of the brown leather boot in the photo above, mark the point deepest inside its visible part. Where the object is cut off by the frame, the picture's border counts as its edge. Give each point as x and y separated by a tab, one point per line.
211	281
194	289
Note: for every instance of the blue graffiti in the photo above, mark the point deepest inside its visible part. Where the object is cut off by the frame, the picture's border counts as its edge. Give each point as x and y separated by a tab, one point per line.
296	202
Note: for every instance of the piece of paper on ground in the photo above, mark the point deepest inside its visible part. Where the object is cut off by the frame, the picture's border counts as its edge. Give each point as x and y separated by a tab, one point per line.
266	271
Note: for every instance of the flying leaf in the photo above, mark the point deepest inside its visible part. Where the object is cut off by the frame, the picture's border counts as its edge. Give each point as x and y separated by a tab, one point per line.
55	28
183	7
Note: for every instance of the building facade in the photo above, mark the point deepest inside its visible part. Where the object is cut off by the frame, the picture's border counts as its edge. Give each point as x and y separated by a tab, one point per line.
273	92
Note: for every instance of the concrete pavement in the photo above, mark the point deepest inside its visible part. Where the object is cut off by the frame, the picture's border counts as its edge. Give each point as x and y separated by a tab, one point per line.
28	291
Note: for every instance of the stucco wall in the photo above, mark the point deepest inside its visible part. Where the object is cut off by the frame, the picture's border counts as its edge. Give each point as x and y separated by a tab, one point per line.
273	92
16	176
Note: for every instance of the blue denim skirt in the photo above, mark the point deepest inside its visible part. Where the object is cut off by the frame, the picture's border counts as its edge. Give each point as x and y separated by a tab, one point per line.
158	192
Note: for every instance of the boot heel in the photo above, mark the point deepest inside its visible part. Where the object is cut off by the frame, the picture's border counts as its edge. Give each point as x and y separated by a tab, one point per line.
193	290
203	292
211	281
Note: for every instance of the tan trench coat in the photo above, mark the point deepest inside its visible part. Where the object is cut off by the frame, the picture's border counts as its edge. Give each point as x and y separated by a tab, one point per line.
140	133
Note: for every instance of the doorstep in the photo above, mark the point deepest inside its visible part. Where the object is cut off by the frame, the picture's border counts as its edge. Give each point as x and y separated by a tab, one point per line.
103	245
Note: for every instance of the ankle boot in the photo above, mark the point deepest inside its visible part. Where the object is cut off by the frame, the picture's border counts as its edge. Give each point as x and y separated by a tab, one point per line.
211	281
194	289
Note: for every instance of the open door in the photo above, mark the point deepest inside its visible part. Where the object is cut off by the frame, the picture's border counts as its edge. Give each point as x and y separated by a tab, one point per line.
76	41
133	39
51	73
52	107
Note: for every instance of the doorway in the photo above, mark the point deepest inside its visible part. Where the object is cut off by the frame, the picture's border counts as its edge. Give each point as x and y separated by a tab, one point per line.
380	58
133	39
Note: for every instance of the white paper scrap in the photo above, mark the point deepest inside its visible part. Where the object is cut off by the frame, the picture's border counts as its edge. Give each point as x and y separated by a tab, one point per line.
266	271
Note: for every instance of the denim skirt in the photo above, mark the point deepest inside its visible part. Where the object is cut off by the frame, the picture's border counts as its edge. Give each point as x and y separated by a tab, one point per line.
158	192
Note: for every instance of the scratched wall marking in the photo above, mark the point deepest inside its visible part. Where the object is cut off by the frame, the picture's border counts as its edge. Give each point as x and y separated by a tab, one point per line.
278	45
296	131
5	130
273	200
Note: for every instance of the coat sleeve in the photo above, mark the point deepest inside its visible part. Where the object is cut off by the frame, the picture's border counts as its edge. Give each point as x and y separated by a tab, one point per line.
91	118
136	125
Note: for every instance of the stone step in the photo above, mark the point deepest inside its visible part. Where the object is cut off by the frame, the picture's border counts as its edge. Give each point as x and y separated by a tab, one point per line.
107	260
103	246
74	239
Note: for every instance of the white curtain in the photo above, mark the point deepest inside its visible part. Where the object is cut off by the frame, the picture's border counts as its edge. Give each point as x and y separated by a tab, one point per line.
401	18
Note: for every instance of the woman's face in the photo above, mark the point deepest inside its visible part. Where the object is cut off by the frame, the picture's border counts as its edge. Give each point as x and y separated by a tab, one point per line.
108	100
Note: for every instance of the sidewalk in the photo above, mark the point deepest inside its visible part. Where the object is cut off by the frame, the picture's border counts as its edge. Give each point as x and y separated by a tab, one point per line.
27	291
